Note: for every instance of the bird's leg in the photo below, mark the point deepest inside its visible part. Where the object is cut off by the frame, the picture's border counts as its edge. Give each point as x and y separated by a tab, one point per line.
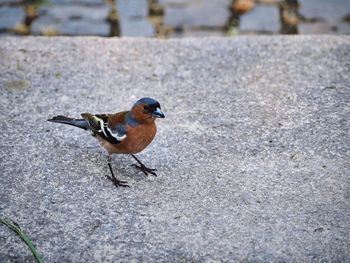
112	178
143	168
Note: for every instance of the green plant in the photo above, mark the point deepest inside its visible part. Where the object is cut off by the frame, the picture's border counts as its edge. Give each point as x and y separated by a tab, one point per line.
17	229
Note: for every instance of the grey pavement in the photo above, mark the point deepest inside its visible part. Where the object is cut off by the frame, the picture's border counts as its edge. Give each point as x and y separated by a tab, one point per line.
252	157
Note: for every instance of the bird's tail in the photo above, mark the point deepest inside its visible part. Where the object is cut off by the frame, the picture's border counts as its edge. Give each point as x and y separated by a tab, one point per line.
80	123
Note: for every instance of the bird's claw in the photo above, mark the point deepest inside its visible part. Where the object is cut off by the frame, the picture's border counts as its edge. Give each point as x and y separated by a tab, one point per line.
117	182
145	169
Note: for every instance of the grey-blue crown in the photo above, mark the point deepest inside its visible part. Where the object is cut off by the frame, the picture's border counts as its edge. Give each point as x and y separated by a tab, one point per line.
150	102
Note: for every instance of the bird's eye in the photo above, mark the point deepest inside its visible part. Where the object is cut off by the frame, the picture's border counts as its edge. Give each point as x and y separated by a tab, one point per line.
147	108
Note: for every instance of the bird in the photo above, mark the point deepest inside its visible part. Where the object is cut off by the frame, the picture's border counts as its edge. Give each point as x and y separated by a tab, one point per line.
126	132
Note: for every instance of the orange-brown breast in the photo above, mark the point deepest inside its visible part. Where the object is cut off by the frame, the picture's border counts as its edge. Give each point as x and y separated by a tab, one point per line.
138	138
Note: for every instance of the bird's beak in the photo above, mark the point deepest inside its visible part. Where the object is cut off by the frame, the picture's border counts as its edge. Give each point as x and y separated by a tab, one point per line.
158	113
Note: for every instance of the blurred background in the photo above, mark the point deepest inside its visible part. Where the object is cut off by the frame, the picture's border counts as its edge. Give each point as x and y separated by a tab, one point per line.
173	18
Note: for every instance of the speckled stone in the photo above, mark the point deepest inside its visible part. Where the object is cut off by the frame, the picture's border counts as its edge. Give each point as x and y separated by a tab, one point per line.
252	157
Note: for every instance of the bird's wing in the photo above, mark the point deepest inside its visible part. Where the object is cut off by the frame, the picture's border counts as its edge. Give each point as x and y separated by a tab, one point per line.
108	126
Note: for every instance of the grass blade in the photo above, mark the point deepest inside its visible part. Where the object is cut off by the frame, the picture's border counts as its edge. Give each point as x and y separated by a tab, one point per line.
17	229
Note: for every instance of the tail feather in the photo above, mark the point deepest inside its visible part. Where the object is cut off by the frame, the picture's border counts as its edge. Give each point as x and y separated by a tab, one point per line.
93	121
80	123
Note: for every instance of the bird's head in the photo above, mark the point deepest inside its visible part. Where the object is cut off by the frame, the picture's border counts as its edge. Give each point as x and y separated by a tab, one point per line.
147	109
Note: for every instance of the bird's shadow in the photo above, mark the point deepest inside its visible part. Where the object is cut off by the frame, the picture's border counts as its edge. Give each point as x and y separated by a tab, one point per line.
122	165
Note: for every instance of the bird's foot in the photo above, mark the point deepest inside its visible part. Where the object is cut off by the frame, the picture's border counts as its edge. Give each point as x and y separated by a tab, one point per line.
145	169
117	182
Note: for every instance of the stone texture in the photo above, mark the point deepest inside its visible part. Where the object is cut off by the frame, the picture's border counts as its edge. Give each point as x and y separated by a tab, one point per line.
202	33
133	18
70	27
78	2
328	13
322	27
197	33
84	27
324	9
343	28
133	8
136	28
198	14
73	20
173	2
11	16
252	157
76	12
10	2
273	2
263	18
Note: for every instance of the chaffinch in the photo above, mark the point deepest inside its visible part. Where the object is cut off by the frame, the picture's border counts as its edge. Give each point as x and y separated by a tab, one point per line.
126	132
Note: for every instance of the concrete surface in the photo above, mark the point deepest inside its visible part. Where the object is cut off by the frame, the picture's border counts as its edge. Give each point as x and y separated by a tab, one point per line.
253	156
